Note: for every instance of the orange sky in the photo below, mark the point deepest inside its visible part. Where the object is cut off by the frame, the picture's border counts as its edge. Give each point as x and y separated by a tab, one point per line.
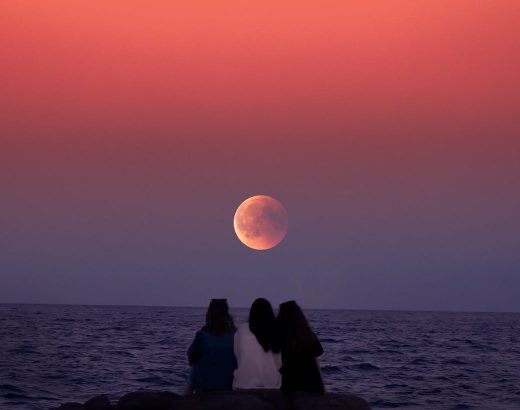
130	131
344	63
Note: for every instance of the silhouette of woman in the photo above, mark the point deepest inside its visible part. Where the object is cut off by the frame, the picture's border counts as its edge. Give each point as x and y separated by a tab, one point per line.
211	354
300	348
257	350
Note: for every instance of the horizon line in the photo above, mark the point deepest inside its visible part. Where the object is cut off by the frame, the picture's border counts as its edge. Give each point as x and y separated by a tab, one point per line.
247	307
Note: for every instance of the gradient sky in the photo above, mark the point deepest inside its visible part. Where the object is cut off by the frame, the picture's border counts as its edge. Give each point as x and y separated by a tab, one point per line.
131	131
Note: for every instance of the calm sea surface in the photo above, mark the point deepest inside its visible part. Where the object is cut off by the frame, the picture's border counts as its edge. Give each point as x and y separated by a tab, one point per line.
414	360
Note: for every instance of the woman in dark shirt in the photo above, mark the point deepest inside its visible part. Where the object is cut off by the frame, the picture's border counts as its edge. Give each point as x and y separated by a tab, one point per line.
300	348
211	354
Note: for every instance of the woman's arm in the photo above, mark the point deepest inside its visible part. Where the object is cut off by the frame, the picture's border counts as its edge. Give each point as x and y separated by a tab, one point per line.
196	349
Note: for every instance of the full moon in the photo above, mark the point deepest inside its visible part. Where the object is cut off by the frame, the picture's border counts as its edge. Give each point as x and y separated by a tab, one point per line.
260	222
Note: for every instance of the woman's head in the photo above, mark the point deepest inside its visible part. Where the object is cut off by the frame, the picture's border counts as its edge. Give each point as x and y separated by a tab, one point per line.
263	325
296	336
218	319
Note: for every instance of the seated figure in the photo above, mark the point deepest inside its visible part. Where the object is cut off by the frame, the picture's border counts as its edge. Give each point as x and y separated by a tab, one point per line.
211	354
257	350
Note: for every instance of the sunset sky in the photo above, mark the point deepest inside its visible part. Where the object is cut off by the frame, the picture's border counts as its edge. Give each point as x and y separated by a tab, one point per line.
390	131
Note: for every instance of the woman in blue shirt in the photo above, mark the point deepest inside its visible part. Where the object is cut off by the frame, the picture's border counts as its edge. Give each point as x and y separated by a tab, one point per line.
211	354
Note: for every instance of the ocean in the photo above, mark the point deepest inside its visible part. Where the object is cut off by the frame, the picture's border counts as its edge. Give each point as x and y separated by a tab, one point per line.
50	354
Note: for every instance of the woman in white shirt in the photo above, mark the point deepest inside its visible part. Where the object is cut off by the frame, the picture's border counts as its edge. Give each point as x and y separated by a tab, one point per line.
257	350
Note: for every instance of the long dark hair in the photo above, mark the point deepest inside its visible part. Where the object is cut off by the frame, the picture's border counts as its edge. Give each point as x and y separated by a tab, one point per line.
218	319
296	336
262	324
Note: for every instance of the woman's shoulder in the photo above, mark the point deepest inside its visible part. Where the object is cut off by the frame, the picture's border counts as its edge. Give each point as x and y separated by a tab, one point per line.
243	327
207	335
202	333
244	332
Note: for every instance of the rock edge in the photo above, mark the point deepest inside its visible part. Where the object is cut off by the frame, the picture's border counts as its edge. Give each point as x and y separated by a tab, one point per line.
229	400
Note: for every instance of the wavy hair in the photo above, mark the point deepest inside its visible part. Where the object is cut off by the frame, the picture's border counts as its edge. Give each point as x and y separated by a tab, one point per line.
296	336
218	319
262	324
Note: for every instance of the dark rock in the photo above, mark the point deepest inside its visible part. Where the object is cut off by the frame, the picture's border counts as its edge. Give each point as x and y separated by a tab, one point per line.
329	401
272	396
231	400
146	400
98	403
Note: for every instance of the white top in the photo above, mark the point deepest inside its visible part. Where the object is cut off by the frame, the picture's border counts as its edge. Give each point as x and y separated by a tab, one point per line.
257	369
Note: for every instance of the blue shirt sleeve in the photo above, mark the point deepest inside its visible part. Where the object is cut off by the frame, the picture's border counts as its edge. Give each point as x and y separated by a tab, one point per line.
196	349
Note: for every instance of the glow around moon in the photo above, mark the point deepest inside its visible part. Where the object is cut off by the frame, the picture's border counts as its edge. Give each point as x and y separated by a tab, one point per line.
261	222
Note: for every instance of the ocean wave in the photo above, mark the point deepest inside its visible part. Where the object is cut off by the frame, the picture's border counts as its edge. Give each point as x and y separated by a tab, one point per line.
365	366
389	351
430	392
329	340
391	404
458	362
421	360
124	353
23	350
395	385
153	380
16	396
10	388
357	351
331	369
479	346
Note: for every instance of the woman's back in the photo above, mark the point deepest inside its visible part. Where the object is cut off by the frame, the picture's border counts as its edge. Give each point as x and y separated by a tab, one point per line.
213	361
300	349
211	354
300	370
256	367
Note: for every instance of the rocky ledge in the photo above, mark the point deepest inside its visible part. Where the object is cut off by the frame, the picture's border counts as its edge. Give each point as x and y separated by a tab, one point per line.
233	400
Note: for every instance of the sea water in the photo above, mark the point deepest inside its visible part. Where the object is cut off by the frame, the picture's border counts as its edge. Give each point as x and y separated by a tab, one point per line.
50	354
